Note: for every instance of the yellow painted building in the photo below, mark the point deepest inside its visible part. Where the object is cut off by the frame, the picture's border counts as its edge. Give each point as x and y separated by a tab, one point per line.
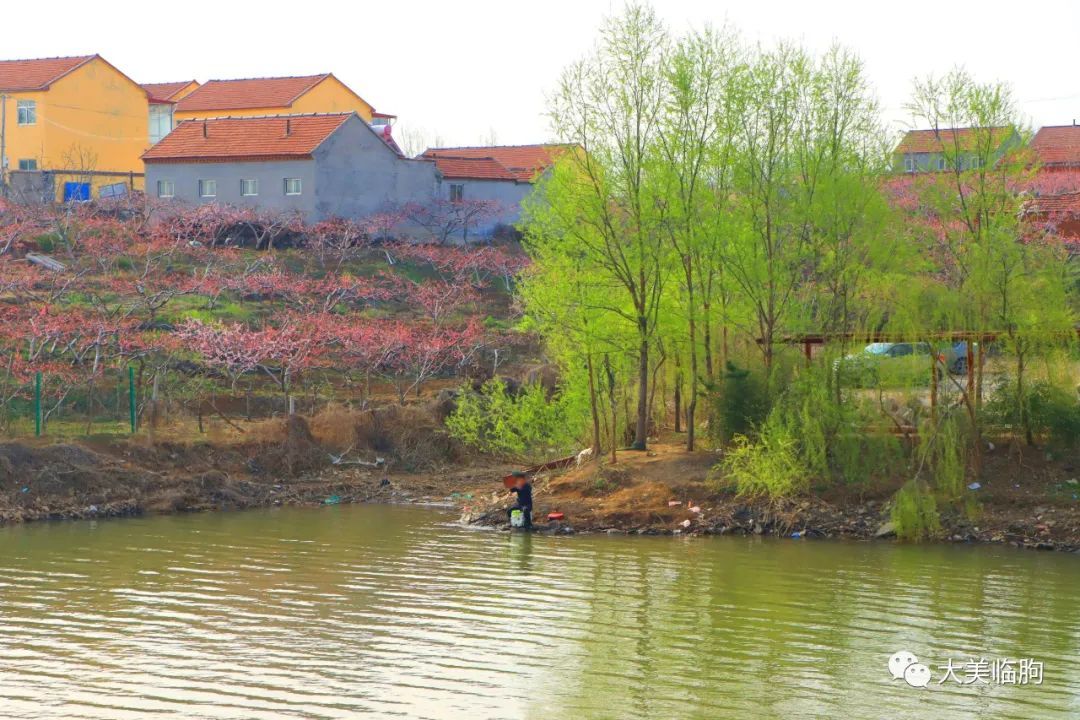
273	96
76	114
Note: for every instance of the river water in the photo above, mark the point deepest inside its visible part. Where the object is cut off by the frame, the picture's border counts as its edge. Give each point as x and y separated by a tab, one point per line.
369	611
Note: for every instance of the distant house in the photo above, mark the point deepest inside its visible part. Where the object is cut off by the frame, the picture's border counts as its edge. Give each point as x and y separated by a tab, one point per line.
1058	214
253	97
76	114
330	165
1057	147
163	97
503	174
1057	153
952	148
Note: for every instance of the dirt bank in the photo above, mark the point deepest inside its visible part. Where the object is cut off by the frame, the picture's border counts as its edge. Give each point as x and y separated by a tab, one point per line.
1028	502
285	465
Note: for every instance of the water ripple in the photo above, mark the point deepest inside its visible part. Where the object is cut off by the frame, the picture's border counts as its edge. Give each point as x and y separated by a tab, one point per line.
392	612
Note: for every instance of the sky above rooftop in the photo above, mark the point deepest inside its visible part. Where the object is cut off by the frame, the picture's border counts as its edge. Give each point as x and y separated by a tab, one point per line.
473	71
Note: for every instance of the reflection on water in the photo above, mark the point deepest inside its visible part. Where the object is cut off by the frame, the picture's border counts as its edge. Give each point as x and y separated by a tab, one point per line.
351	612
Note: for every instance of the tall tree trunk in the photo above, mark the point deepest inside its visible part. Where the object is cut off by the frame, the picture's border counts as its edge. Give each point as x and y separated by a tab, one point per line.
691	321
614	407
678	393
1021	401
595	410
691	406
706	340
641	429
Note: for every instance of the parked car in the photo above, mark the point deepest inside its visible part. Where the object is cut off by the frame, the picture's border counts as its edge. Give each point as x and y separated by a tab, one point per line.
895	363
959	365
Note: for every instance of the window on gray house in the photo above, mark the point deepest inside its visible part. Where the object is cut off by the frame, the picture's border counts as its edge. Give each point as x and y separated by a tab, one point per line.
208	188
292	186
249	188
909	163
26	112
941	162
165	189
457	193
30	164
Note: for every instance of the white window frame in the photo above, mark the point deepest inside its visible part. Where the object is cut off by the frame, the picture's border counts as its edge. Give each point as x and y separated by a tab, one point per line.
942	162
26	112
166	189
161	122
249	184
909	163
974	162
28	164
299	186
457	192
205	185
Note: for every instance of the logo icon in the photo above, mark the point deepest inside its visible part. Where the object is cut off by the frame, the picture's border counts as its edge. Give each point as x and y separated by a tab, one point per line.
903	665
917	675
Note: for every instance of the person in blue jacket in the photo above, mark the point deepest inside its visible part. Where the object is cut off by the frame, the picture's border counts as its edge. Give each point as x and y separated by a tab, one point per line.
524	502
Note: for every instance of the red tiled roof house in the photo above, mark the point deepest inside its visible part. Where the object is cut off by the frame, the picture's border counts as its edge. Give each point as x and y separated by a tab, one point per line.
331	165
251	97
948	148
503	174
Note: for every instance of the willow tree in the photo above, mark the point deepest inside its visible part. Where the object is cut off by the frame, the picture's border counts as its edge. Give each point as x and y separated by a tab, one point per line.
568	302
604	209
766	259
694	173
840	160
999	283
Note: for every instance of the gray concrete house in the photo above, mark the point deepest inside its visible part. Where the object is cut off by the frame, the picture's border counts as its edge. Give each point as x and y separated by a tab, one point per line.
504	174
940	150
323	166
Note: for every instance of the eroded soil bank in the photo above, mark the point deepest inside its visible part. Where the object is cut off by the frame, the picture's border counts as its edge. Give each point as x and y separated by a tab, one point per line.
1026	501
285	466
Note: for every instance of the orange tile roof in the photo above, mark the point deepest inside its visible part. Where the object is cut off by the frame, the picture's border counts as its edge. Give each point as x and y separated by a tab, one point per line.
1057	145
931	141
248	94
25	75
478	168
164	92
1053	204
258	138
521	162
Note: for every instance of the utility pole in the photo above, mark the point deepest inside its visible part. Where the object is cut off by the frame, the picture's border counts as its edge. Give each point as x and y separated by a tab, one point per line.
3	145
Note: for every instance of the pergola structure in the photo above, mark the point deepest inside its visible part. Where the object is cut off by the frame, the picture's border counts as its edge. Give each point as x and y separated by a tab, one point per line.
971	339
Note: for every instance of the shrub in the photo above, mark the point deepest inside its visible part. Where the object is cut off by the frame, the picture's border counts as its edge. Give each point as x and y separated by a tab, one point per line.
526	425
830	437
1052	411
741	404
770	466
943	450
45	243
914	512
